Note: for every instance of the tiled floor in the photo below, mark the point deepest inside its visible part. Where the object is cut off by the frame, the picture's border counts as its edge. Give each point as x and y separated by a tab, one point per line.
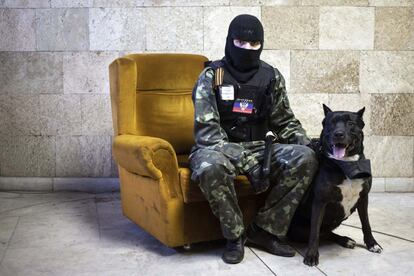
86	234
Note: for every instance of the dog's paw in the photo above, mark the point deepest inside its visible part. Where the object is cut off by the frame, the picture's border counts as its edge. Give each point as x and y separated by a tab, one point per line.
350	243
346	242
311	259
376	248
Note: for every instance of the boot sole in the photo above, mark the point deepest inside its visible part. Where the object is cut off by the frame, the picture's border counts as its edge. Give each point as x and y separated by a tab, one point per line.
232	262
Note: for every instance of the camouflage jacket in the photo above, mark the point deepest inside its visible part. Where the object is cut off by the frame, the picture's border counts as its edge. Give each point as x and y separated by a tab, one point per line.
209	134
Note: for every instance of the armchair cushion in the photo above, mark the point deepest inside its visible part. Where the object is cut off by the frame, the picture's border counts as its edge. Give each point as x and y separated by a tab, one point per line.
167	115
167	71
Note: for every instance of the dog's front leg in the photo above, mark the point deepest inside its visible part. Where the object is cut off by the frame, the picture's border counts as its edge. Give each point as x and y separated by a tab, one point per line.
312	255
369	240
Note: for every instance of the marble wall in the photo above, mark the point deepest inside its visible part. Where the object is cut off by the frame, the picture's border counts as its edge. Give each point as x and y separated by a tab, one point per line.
55	117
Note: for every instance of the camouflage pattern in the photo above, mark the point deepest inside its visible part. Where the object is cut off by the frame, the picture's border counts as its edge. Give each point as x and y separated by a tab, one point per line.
215	161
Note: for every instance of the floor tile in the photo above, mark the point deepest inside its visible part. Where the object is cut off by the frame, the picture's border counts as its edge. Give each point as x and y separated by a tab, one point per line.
396	259
89	259
286	266
110	212
55	231
7	226
16	204
86	234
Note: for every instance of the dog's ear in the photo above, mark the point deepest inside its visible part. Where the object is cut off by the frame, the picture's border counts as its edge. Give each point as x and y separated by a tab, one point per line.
326	109
361	112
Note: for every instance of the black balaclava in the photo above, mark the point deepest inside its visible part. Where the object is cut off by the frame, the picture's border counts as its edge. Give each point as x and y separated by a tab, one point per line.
243	63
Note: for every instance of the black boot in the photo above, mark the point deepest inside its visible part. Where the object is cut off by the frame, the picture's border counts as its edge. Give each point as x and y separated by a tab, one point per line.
234	252
256	236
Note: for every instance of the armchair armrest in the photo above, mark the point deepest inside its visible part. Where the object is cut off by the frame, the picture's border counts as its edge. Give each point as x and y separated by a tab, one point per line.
136	154
150	157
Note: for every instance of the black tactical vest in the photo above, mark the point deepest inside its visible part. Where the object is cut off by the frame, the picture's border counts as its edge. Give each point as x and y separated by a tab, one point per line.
245	117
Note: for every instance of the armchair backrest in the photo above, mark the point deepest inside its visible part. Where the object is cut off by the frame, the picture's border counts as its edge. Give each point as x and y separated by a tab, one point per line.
163	107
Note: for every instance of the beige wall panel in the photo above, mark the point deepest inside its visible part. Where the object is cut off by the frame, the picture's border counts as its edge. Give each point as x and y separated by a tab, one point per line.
391	156
96	115
60	115
335	2
387	72
346	28
290	27
17	30
324	71
391	3
394	28
19	115
83	156
62	30
30	73
87	72
27	155
117	29
166	29
118	3
71	3
264	2
25	3
392	114
184	3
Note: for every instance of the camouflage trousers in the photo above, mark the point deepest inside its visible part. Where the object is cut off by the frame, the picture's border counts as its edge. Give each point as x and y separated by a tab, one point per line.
292	170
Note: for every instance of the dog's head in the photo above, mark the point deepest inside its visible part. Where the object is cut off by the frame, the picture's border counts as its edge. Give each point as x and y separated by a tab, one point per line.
342	134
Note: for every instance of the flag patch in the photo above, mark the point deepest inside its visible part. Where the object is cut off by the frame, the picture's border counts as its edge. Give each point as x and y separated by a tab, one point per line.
243	106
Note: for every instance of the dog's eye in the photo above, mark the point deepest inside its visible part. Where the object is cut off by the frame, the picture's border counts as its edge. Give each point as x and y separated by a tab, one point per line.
350	123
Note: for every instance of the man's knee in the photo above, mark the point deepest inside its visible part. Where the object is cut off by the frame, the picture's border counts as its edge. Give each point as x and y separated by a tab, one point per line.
215	171
211	163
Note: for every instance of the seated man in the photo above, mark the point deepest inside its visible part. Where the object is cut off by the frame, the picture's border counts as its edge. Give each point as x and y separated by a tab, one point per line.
237	100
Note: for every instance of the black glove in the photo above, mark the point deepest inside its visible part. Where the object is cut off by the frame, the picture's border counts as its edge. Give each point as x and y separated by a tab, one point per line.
315	145
257	180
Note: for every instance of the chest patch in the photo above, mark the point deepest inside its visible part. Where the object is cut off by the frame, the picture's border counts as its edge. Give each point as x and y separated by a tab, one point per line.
243	106
350	190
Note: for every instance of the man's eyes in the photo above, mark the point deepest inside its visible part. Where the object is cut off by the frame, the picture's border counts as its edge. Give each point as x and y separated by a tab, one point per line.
252	43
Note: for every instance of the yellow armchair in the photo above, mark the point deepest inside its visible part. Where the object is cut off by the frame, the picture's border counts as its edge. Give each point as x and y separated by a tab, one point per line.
152	114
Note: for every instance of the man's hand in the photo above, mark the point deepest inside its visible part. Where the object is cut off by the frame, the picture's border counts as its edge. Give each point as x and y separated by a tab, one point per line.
257	180
315	145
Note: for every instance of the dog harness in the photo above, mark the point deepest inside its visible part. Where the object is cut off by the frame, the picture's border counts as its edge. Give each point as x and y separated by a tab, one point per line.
354	169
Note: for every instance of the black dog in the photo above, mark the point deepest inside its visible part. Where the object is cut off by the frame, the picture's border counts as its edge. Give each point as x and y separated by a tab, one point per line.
340	186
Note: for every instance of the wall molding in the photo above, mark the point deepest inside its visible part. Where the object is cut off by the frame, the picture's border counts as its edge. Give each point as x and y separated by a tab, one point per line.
60	184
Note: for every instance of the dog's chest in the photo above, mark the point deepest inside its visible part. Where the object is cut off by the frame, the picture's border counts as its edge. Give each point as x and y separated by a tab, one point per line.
350	190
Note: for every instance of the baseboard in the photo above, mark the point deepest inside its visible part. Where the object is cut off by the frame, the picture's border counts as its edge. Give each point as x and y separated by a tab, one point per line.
57	184
101	185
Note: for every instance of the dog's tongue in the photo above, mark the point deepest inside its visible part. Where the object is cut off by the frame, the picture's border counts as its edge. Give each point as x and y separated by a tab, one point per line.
338	152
